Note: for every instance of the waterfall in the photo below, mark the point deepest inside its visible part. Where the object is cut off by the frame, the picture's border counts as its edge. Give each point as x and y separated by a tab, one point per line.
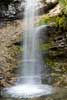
31	58
30	85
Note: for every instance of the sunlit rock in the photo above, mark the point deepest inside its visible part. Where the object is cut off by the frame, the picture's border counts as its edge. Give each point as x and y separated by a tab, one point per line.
55	11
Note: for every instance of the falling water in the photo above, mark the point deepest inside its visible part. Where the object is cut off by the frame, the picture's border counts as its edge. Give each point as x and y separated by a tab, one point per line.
31	58
30	84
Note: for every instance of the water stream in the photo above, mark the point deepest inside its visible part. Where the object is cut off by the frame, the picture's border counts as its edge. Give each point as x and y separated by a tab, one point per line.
31	58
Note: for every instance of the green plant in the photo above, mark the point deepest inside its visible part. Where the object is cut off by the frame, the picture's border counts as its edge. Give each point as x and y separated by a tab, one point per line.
63	4
45	46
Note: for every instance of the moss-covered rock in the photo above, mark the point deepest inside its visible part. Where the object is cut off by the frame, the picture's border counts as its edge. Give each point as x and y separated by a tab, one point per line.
58	21
56	47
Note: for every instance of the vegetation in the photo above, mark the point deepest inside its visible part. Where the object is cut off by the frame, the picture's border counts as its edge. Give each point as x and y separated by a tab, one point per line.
63	4
59	21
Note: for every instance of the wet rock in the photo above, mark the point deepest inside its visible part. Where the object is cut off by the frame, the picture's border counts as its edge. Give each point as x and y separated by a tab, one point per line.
56	58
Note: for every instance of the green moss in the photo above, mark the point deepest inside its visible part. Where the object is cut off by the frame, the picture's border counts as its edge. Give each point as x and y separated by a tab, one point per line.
45	46
60	21
63	4
56	52
44	20
57	65
51	63
47	19
20	48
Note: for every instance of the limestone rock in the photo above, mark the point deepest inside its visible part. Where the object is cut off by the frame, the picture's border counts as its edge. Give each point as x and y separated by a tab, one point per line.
47	5
53	1
55	11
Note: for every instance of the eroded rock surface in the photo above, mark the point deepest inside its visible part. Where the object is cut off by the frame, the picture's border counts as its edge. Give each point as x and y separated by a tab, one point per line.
10	37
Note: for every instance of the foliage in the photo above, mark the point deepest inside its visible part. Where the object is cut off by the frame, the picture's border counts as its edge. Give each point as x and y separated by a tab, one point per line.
60	21
51	63
45	46
44	20
63	3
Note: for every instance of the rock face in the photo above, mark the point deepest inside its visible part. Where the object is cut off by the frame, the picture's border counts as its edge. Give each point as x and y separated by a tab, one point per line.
10	36
56	45
57	58
11	9
46	6
10	33
56	11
